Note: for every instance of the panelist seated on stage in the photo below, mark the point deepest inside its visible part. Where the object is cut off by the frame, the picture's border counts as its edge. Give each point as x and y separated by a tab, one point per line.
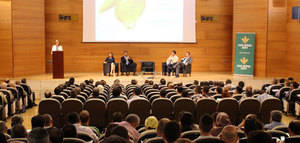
171	62
127	64
110	65
187	60
56	47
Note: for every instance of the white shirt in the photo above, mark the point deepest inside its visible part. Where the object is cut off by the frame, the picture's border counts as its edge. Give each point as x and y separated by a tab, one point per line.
56	48
172	60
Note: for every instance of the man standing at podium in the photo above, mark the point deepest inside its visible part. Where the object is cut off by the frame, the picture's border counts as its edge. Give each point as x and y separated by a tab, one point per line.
56	47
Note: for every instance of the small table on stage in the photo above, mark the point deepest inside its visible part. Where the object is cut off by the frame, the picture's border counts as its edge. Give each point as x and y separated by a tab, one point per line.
58	64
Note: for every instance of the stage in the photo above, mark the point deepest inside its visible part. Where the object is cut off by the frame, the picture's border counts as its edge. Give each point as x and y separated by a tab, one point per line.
43	82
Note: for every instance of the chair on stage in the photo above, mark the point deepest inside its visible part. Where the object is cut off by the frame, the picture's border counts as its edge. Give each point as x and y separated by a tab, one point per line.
147	67
107	68
127	69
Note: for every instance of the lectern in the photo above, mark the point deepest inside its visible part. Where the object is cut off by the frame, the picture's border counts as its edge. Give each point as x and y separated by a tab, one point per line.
58	64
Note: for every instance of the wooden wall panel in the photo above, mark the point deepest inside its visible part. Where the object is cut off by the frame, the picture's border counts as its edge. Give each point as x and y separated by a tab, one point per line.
28	37
277	38
212	52
252	16
5	39
293	50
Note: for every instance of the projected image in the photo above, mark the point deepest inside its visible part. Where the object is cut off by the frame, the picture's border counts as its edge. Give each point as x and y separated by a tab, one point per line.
139	21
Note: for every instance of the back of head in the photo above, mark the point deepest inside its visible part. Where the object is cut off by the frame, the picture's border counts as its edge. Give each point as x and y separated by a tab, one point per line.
73	93
55	135
219	90
229	134
84	117
117	117
163	93
96	91
162	81
120	131
294	128
295	85
48	119
205	90
73	118
180	89
16	119
249	91
282	81
133	119
276	115
198	89
72	80
134	82
37	121
116	91
259	137
69	131
222	119
161	126
252	124
196	82
18	131
137	91
228	81
38	135
172	131
206	123
241	84
151	122
186	119
24	80
185	93
115	139
48	94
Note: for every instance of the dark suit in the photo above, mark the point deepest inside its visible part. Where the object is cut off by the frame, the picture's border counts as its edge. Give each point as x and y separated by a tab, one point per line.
182	64
128	65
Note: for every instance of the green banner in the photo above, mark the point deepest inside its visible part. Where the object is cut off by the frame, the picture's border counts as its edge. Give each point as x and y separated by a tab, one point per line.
244	54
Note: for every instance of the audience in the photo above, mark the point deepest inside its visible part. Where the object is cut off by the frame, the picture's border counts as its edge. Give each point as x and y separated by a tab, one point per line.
275	120
38	135
205	125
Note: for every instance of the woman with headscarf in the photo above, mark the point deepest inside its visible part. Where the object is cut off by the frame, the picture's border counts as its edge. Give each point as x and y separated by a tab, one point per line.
222	120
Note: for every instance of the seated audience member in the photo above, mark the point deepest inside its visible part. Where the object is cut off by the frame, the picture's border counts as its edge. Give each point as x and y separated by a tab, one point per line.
163	93
95	94
275	120
249	116
238	90
228	83
55	135
241	84
259	137
38	135
187	123
229	134
15	120
282	82
151	123
111	63
109	128
48	121
71	80
69	131
170	85
197	96
128	63
58	89
116	93
171	62
115	139
3	138
252	124
226	93
205	125
161	126
48	94
248	92
117	117
155	86
132	121
185	94
205	91
18	131
196	82
120	131
100	89
292	98
162	81
85	121
136	95
3	127
263	96
294	128
73	93
222	120
31	94
171	132
37	121
183	140
219	90
183	63
179	90
74	119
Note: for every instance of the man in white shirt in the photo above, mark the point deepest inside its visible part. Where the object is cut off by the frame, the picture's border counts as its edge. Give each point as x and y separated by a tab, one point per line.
171	62
136	95
56	47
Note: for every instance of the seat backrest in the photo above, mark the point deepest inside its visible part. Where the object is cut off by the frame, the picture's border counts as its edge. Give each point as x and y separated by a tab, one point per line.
184	104
140	107
274	89
162	108
84	136
18	140
116	105
238	97
72	105
231	107
294	139
154	97
147	135
217	96
54	111
277	134
205	106
249	106
59	98
192	135
73	140
282	128
97	110
155	140
174	98
170	94
267	106
208	140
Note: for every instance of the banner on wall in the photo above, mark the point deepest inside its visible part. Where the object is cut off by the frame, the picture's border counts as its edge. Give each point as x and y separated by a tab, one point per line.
244	54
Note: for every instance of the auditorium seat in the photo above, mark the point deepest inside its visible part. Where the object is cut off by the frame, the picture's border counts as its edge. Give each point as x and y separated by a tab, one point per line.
277	134
152	94
116	105
208	140
84	136
58	98
140	107
162	108
153	97
18	140
267	106
54	111
217	96
184	104
249	106
293	139
231	107
238	97
146	135
174	98
155	140
205	106
282	128
192	135
106	69
273	89
97	110
71	105
170	94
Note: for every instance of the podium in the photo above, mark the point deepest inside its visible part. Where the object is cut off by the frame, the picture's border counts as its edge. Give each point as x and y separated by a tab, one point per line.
58	64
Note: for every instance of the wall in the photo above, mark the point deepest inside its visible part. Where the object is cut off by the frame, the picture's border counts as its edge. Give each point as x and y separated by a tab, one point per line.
293	50
28	37
212	52
5	39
